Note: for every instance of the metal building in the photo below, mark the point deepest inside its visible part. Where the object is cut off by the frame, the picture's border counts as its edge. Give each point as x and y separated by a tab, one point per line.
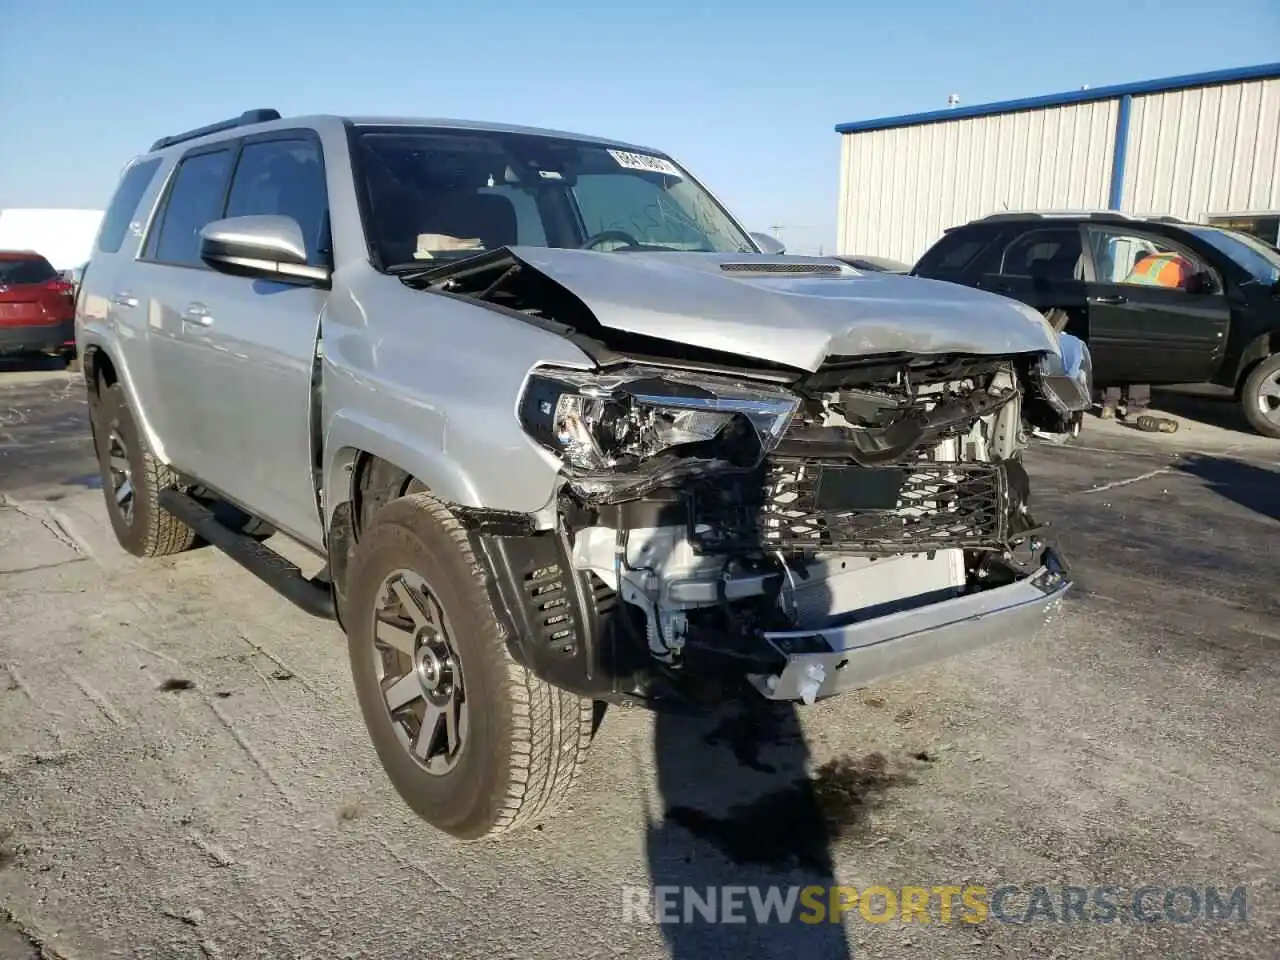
1200	147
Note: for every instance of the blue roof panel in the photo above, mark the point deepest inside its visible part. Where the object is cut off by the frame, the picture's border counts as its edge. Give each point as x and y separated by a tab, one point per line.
1263	71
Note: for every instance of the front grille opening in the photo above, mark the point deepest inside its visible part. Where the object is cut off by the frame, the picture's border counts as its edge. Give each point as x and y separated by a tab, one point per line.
938	506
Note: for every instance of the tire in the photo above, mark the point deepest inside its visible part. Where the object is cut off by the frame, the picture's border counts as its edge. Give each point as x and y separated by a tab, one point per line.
522	742
139	523
1264	377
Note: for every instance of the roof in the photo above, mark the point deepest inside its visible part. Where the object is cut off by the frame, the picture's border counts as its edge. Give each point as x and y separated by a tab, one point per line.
264	119
1264	71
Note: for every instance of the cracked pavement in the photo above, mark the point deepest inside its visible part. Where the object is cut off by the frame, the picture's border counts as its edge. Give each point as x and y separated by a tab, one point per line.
184	773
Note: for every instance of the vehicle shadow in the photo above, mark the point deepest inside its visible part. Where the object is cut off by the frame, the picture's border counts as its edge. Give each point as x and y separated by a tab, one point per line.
31	363
746	824
1252	487
743	825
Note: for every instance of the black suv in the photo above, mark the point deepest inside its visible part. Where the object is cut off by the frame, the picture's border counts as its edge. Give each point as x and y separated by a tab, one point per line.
1158	300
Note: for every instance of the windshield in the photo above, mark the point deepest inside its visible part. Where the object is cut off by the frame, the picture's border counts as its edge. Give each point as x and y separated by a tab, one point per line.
437	194
1261	261
26	270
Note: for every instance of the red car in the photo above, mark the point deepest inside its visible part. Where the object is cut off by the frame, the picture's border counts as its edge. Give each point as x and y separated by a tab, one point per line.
37	306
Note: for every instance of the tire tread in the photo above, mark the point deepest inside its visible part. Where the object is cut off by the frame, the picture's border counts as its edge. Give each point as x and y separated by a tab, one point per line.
164	534
551	728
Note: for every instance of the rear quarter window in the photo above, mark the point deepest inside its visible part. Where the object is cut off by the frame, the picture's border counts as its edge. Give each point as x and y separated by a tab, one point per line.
954	253
124	204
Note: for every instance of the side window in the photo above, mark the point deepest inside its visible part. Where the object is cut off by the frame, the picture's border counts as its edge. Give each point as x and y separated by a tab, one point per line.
195	199
284	177
1053	255
1123	256
115	222
951	254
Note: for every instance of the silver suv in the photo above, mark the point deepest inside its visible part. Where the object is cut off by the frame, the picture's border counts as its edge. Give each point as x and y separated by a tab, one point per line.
560	431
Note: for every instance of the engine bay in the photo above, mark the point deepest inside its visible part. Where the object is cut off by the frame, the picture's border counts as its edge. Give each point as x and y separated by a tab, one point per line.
884	488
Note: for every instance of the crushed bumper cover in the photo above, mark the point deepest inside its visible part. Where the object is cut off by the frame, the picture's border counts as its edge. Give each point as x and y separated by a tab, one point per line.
827	661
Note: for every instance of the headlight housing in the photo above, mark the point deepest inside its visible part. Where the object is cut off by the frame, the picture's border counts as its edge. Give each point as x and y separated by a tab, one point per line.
619	420
1066	378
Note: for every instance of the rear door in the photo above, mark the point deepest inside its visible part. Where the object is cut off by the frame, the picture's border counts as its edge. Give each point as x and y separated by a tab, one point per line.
167	285
1146	314
257	343
1043	267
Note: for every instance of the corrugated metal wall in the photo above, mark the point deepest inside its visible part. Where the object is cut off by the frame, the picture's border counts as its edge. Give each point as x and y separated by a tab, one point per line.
900	188
1190	153
1206	150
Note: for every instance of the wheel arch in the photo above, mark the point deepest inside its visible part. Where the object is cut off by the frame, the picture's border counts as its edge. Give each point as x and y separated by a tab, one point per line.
1255	352
104	368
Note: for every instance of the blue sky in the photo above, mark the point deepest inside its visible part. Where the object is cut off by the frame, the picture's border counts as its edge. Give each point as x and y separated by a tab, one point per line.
745	94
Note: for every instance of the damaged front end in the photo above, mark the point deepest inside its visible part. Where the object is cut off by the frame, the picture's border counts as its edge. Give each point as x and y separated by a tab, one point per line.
808	538
726	522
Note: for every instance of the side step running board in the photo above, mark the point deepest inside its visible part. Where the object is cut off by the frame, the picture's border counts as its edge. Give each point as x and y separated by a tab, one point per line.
282	575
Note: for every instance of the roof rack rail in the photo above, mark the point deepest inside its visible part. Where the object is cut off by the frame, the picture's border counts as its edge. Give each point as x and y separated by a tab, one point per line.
1102	215
261	115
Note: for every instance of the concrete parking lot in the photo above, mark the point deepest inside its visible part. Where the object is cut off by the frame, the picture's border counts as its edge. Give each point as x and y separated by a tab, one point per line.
183	771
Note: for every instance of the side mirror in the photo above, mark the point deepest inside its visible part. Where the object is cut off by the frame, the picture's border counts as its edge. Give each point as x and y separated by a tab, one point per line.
268	247
1200	283
769	244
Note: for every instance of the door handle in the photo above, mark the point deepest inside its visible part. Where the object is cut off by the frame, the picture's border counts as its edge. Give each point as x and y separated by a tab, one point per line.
1117	299
198	314
125	300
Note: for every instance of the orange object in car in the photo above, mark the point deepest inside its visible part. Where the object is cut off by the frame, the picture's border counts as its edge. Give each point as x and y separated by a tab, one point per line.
1161	270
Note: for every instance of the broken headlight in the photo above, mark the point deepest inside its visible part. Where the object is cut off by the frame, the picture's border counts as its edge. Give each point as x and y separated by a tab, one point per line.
616	420
1066	378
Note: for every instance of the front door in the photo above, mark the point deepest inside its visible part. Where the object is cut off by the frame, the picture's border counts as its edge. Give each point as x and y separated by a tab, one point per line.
1156	312
258	338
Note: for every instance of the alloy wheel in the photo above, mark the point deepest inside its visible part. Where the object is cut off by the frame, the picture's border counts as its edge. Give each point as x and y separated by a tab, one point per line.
1268	397
122	489
418	671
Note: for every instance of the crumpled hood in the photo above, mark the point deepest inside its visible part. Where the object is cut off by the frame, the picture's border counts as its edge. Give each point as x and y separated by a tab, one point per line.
782	310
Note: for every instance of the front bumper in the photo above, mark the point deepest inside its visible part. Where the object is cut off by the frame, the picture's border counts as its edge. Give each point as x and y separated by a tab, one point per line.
828	661
38	338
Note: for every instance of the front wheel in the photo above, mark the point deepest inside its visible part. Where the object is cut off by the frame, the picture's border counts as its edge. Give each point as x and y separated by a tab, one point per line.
473	743
1260	397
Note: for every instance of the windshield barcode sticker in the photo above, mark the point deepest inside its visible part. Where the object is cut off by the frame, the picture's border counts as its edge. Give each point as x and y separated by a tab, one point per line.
643	161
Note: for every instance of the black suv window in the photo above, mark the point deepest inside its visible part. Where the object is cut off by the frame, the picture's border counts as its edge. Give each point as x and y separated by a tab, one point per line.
952	253
115	222
1053	254
284	177
195	199
1125	256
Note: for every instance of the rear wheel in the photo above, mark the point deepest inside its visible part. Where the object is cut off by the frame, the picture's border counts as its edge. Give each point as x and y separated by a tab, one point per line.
473	743
132	479
1260	397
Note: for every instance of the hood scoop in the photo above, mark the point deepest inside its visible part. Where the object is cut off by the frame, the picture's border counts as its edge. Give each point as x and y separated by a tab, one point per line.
758	267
